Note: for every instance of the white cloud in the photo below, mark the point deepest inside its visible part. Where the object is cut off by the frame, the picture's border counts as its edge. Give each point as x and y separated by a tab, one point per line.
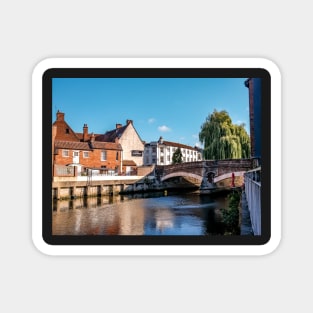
195	136
151	120
239	122
164	129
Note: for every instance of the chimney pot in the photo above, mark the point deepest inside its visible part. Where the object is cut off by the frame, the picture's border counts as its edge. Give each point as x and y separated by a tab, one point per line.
60	116
85	132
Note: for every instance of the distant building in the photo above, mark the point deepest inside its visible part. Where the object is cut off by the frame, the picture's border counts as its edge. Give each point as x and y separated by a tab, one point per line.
161	152
131	143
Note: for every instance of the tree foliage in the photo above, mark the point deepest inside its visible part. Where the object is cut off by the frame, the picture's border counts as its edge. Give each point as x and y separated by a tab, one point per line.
222	139
230	216
177	156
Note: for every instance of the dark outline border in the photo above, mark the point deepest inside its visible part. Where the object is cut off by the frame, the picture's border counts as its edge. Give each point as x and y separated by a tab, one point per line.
155	73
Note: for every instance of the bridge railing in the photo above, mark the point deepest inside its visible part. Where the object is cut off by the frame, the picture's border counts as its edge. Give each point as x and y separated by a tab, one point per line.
253	195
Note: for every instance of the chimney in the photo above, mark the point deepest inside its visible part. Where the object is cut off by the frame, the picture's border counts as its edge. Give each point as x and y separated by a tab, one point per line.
92	138
85	132
60	116
54	133
118	126
129	121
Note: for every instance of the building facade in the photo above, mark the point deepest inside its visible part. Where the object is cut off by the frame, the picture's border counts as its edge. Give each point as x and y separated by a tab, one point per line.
161	152
131	143
82	150
255	110
118	152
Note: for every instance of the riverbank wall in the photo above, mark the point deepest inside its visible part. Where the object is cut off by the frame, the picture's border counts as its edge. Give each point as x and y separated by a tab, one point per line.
77	187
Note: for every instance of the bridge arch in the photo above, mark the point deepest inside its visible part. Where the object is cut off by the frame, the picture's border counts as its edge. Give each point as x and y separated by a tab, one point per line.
182	174
227	175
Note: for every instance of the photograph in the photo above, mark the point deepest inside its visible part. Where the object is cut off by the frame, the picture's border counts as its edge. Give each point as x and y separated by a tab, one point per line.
156	157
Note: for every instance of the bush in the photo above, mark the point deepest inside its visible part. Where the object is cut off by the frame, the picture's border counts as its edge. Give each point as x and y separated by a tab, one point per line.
230	215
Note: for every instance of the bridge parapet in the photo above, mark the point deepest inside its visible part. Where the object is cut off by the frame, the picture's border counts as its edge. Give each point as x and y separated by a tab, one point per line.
187	167
233	165
204	171
201	167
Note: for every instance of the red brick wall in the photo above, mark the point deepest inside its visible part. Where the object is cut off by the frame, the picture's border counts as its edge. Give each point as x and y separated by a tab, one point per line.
94	159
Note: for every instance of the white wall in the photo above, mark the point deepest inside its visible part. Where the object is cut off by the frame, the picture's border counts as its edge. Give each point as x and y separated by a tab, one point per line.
130	141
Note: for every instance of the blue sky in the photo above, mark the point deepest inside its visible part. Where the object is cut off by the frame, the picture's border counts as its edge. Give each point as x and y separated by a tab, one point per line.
174	108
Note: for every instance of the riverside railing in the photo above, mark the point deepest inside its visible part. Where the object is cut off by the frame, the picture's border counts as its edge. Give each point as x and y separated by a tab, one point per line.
253	195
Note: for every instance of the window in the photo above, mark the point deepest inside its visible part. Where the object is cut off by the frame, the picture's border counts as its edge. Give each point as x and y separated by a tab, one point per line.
161	159
161	150
153	149
85	154
168	158
116	156
103	155
65	153
67	131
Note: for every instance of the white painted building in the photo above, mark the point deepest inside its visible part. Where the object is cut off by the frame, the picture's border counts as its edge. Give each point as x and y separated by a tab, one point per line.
131	143
161	152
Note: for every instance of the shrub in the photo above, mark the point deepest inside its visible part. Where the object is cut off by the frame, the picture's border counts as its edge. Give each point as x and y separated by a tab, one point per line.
230	215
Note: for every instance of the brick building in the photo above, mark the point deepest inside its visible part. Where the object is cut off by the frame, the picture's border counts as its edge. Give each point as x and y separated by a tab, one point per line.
83	150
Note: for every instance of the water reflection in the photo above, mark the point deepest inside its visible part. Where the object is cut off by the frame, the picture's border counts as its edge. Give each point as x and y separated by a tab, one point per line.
177	214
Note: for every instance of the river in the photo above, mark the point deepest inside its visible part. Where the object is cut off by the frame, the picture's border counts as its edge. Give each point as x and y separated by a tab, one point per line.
140	214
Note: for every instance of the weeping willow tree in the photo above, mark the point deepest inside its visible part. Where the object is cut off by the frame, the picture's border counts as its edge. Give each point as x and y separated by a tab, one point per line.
222	139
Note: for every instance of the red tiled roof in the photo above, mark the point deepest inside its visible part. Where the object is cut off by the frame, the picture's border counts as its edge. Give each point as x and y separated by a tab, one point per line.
111	135
129	163
178	145
87	145
106	145
80	136
72	145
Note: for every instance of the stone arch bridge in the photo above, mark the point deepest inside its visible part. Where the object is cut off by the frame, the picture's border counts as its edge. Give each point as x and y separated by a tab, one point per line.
211	171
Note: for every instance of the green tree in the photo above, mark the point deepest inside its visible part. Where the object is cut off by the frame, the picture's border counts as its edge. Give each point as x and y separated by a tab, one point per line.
222	139
177	156
230	216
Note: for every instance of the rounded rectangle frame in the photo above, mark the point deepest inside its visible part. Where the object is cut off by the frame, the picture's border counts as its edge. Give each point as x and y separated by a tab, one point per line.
156	67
